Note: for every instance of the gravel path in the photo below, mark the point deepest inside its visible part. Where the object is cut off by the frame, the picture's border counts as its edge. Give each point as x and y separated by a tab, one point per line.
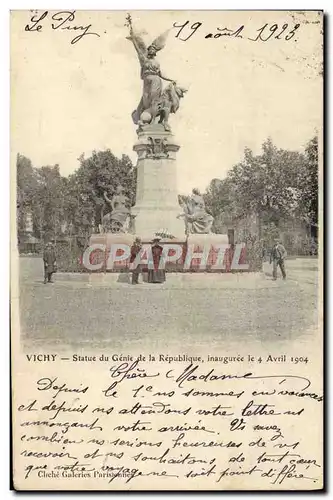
80	316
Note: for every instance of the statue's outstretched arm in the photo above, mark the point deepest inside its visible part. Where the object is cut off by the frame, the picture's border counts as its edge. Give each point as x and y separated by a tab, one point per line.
167	79
139	46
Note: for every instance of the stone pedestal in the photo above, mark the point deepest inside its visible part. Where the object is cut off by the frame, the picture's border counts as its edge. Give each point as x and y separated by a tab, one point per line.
207	240
208	246
157	205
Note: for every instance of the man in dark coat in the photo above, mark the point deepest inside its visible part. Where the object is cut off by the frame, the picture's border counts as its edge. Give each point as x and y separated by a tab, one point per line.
135	250
156	275
50	261
278	254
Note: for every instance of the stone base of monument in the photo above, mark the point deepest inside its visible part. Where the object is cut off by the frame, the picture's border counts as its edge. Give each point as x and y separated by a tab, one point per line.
107	252
157	206
198	253
108	239
207	248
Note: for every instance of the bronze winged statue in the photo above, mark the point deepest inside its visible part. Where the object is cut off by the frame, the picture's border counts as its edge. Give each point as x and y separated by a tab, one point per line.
155	101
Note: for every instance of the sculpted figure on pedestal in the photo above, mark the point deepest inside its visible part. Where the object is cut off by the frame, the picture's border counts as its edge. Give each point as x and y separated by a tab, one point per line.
197	220
119	218
155	102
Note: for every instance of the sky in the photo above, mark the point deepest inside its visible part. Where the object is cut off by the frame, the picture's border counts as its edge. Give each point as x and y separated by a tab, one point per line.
68	99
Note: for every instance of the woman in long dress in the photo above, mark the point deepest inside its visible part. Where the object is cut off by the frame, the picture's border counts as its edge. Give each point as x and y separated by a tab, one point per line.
157	275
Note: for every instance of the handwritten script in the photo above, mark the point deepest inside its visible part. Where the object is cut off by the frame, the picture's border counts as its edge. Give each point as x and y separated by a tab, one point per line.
60	21
284	32
138	423
66	20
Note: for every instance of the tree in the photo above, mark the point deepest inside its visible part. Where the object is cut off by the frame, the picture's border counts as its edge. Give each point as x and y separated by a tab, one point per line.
221	203
267	184
26	185
48	203
101	173
74	204
274	191
308	184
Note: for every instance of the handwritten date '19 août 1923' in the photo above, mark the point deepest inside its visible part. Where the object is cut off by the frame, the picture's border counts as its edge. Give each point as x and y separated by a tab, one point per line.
266	32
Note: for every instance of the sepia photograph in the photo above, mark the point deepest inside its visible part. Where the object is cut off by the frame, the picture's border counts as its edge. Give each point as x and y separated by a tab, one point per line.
166	249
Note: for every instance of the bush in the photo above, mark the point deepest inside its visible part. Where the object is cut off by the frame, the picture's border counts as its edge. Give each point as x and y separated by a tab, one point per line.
69	253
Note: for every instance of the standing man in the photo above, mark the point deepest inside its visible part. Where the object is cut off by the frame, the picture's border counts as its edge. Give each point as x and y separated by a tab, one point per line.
278	254
50	261
135	250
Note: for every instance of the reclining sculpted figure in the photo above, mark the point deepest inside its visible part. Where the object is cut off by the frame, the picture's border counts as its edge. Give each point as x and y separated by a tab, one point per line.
197	220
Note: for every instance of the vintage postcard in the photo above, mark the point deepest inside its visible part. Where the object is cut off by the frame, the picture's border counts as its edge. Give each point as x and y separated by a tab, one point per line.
166	298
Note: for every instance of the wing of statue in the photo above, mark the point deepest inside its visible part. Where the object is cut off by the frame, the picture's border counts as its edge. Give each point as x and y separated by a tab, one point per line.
160	41
137	36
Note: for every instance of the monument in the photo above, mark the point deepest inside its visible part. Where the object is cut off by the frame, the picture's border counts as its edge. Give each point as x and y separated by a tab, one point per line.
157	211
157	202
157	206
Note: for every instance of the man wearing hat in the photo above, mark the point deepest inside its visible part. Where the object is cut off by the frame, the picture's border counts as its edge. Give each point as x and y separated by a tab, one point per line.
156	275
278	254
135	250
50	261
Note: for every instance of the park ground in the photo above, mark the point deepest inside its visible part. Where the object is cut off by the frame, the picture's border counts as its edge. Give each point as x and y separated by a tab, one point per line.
188	312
